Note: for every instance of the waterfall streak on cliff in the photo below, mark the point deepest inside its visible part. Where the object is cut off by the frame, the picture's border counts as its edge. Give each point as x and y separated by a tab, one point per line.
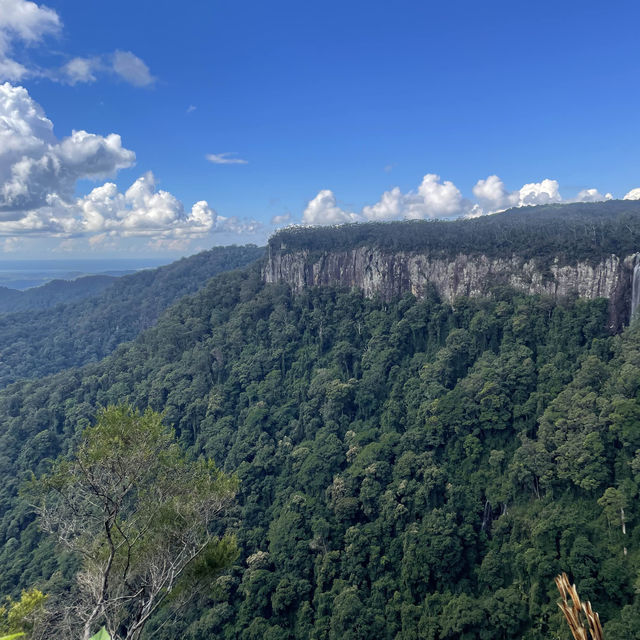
635	290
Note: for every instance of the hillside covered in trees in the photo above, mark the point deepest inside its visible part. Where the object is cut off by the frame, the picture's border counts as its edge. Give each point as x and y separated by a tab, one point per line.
408	469
75	332
53	293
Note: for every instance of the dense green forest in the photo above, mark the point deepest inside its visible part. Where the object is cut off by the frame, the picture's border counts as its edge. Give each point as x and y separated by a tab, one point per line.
68	335
407	470
580	231
52	293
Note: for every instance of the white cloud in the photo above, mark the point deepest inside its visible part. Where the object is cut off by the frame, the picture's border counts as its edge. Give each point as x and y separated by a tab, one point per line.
437	198
27	23
38	176
592	195
105	212
12	70
34	164
492	195
132	69
390	206
123	64
544	192
191	108
81	70
634	194
22	21
434	198
281	220
225	158
141	210
323	209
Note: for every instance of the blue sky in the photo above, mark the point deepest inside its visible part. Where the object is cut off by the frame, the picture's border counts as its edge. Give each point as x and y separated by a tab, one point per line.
339	111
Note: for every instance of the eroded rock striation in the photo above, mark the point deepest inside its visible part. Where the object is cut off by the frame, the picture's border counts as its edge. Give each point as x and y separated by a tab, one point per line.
392	274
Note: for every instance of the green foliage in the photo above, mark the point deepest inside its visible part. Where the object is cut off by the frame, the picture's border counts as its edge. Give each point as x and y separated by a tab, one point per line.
73	333
139	514
571	232
101	635
53	293
18	617
407	469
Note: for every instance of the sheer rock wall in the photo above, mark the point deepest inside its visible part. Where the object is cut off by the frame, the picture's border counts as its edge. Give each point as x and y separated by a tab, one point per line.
390	275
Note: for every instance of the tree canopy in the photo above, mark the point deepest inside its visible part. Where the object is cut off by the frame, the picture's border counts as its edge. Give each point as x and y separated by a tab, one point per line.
73	333
407	469
139	515
585	231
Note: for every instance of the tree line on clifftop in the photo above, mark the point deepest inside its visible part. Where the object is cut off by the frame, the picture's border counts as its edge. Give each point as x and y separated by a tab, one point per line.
573	232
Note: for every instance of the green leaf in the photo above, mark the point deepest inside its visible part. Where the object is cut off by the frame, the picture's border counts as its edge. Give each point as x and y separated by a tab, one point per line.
101	635
14	635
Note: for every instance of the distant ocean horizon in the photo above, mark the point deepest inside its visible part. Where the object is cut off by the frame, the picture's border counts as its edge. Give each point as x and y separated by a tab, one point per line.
24	274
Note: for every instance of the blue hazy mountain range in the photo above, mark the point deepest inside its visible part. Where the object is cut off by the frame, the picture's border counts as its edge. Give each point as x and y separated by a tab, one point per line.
23	274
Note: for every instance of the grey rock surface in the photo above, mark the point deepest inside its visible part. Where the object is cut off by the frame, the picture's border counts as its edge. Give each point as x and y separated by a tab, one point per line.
390	275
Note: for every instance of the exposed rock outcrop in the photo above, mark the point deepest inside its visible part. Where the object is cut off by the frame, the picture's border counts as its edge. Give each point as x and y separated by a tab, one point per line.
393	274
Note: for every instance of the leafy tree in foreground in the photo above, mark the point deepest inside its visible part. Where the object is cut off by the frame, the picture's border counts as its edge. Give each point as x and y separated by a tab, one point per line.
139	514
19	617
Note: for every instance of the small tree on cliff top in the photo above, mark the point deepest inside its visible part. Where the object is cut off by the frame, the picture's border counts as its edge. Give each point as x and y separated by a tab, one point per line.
139	514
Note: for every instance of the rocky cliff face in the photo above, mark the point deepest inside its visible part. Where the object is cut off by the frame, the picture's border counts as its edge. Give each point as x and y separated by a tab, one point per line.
393	274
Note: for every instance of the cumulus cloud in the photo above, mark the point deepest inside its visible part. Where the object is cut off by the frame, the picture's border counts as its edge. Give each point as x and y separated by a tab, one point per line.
492	195
592	195
142	210
26	22
225	158
544	192
132	69
324	209
437	198
432	199
81	70
34	164
38	176
634	194
390	206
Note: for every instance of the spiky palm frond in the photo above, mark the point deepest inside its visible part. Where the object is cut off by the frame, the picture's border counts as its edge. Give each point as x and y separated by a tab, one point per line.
583	621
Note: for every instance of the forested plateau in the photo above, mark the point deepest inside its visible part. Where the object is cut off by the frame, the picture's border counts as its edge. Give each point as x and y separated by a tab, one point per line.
408	468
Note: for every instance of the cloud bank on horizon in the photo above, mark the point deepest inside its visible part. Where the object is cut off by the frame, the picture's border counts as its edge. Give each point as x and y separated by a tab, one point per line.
437	198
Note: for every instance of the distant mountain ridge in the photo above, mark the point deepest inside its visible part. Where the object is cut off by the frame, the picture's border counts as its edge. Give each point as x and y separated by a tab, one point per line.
584	249
38	343
52	293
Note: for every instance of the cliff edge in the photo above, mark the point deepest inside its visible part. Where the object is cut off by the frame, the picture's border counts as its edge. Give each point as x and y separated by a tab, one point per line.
588	251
